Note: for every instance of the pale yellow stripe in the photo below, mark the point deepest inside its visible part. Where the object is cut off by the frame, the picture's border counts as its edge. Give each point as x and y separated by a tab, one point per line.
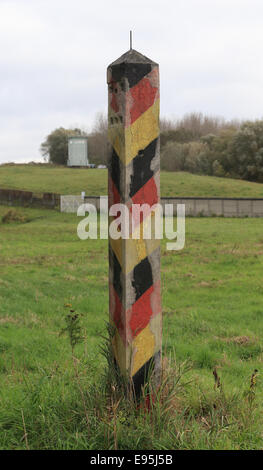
146	344
132	357
135	251
130	252
116	136
122	354
142	132
128	141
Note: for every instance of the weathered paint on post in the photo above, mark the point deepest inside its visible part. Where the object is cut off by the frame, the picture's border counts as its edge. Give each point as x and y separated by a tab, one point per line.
134	178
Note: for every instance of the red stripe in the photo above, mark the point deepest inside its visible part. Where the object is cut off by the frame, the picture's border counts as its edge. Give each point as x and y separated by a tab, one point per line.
114	96
146	307
139	315
148	194
141	97
114	196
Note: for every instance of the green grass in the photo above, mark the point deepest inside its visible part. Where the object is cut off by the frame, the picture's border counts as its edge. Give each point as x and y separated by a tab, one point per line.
63	180
212	305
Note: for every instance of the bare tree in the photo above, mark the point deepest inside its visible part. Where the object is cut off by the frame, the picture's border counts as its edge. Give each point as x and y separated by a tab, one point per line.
98	139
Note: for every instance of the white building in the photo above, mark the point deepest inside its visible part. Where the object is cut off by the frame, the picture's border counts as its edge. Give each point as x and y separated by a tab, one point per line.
78	151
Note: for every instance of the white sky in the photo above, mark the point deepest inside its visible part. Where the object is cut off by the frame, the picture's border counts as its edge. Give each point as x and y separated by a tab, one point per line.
54	55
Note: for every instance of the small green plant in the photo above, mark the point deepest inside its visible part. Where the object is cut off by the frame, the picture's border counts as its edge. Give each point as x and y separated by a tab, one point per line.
250	394
73	328
218	384
74	331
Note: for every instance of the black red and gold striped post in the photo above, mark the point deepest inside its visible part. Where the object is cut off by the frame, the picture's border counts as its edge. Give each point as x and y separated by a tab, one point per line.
134	178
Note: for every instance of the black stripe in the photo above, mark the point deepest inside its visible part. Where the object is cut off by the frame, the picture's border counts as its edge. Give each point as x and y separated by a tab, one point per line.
144	373
142	171
114	169
142	277
133	72
115	265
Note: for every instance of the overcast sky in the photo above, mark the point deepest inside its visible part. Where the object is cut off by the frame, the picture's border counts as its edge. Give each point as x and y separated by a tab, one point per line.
54	54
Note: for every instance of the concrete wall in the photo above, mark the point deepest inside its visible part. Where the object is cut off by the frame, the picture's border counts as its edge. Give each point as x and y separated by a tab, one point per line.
70	204
195	207
27	198
227	207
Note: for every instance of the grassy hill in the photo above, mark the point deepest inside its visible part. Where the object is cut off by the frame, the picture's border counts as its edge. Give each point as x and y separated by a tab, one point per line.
64	180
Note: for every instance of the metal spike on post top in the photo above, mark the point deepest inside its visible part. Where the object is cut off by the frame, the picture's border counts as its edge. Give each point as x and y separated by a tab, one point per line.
130	40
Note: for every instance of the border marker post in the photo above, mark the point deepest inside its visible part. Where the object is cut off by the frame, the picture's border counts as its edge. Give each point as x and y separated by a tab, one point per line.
134	178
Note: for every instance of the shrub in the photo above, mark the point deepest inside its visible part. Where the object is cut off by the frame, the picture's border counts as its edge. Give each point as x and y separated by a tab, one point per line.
13	216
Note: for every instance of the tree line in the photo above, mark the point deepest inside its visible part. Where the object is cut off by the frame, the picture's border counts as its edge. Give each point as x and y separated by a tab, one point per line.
196	143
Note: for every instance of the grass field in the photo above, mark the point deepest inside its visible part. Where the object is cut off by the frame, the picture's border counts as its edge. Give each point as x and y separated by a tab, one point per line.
94	182
213	316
